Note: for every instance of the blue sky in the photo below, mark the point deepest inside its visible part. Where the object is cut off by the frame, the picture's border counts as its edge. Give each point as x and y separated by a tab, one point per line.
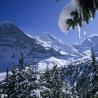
38	16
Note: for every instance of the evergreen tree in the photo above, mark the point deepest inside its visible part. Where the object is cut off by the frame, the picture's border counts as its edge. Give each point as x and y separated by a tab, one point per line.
21	62
22	82
53	84
93	57
10	84
5	89
82	86
94	81
58	86
46	83
33	83
85	11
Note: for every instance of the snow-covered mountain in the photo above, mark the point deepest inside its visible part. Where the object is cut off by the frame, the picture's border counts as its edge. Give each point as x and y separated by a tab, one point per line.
49	51
13	42
49	41
84	49
45	49
86	46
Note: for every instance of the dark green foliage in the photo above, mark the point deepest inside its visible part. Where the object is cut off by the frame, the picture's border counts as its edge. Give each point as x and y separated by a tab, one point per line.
85	11
19	82
21	62
10	84
57	83
94	81
87	87
83	86
93	57
32	81
53	84
28	82
46	83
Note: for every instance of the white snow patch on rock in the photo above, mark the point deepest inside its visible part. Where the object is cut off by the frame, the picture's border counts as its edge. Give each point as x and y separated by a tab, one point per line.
87	53
2	76
51	62
63	53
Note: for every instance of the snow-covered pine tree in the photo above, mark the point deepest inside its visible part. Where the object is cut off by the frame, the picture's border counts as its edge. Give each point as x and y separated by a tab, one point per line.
15	83
94	81
85	10
53	84
46	83
9	88
57	83
93	57
82	85
5	89
33	83
22	82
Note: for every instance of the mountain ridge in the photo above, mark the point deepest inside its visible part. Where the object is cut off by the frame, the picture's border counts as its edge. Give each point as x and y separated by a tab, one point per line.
13	41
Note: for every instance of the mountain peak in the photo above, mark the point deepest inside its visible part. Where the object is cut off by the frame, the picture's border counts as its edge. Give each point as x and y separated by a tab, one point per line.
47	35
7	23
92	39
94	35
8	28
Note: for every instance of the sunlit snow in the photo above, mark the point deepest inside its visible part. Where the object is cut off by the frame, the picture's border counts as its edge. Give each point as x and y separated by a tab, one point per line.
52	61
84	33
65	14
79	31
2	76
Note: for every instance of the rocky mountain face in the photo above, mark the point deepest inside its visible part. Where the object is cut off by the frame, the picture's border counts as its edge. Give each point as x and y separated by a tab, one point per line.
45	48
86	46
13	42
48	50
81	69
49	41
74	52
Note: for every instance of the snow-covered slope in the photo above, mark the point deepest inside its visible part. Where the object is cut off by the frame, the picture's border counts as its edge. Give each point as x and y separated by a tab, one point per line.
86	46
45	48
13	42
50	62
49	41
75	70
